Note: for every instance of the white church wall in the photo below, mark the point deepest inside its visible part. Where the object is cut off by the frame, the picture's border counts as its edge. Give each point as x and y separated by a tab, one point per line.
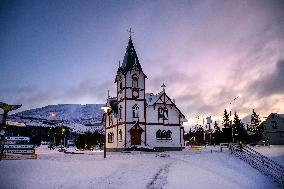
153	142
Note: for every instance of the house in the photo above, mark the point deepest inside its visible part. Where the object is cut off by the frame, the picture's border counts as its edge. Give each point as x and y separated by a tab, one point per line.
138	118
274	128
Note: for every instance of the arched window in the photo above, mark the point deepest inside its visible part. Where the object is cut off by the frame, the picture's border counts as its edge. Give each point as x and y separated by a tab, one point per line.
135	111
158	134
120	134
120	85
169	135
134	81
165	113
108	137
120	112
160	113
164	134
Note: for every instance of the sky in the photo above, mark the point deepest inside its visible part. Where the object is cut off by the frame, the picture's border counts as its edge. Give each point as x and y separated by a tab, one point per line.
206	52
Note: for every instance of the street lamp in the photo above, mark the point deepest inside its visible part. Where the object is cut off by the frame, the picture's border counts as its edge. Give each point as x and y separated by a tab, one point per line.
106	110
239	96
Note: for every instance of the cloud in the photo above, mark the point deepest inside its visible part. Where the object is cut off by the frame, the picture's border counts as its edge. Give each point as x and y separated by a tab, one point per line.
270	84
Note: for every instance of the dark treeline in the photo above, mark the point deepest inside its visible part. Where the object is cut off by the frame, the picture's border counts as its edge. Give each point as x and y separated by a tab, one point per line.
230	131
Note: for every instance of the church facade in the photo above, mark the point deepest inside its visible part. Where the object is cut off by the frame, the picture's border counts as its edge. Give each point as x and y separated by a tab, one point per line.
137	118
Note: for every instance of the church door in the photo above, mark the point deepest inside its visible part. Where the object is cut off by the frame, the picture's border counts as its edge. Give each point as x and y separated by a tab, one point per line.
136	133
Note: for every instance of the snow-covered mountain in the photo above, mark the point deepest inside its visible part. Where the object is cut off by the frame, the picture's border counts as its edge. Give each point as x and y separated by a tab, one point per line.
80	118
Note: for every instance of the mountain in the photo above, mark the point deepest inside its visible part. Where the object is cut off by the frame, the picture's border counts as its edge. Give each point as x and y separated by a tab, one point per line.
79	118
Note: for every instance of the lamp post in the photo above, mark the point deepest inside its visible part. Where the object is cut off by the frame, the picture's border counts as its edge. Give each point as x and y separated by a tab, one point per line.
106	110
6	108
239	96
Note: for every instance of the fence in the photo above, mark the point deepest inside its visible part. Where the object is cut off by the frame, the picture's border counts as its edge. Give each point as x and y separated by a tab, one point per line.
259	162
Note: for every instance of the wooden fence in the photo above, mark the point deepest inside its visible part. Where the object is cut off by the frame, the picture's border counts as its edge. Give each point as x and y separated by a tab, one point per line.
260	162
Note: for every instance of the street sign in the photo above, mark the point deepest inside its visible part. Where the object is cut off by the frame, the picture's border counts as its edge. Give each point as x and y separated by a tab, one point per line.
17	138
19	156
18	146
18	151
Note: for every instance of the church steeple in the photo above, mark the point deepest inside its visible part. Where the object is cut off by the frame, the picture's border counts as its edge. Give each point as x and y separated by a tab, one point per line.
130	58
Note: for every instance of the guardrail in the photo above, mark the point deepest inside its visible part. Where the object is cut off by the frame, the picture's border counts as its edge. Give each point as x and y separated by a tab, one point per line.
260	162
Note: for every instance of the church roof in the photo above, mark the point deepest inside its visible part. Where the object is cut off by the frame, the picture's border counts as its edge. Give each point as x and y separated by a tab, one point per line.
152	99
130	58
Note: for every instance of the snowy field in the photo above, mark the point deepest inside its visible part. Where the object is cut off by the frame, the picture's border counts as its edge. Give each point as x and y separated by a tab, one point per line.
182	170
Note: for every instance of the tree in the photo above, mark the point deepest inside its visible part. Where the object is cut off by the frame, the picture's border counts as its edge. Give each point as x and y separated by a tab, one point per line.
226	119
238	129
255	126
217	133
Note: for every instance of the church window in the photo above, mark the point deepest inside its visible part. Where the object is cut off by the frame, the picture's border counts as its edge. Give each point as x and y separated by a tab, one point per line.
158	134
134	81
110	137
120	135
169	135
165	113
164	134
120	112
120	85
135	111
162	113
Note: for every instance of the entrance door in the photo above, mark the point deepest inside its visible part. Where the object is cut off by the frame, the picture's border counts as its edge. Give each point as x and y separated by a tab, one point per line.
136	133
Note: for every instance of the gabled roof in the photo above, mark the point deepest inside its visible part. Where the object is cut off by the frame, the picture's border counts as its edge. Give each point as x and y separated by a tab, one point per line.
152	99
130	59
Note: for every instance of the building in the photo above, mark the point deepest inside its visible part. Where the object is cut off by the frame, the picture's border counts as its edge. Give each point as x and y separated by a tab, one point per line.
138	118
274	128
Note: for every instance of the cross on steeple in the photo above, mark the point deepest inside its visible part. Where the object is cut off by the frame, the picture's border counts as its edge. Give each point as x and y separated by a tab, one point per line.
130	32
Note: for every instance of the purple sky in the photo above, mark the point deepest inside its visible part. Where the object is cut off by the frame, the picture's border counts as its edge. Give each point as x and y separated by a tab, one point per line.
206	52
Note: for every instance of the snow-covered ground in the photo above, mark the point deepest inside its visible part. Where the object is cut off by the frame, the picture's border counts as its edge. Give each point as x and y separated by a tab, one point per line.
186	169
274	152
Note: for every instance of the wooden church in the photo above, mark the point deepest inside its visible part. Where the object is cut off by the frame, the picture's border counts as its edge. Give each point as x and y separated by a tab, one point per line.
141	119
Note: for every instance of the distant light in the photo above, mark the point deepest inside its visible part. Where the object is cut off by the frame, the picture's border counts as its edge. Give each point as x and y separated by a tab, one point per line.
53	114
240	95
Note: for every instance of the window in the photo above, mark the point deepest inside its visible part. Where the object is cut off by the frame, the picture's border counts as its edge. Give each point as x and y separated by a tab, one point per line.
169	135
163	113
274	124
135	110
120	85
164	135
120	112
134	81
110	137
158	134
160	113
120	135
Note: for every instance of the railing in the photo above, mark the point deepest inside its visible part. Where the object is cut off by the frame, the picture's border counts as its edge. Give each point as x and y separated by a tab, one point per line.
259	162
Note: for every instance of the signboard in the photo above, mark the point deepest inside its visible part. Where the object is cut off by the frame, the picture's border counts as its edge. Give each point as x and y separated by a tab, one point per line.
17	138
18	146
19	151
19	156
14	123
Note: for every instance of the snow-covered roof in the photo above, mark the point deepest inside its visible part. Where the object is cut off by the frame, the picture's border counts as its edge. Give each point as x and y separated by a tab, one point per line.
152	98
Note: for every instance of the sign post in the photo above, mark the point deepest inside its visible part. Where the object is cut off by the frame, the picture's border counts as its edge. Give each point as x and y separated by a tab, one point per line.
6	108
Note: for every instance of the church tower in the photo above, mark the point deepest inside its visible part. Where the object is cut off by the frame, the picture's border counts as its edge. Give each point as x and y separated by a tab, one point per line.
131	103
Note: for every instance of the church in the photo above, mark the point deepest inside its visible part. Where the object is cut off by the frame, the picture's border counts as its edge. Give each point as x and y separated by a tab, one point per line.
141	119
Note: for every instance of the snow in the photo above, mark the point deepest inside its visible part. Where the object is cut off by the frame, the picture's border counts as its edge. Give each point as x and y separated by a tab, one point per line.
274	152
186	169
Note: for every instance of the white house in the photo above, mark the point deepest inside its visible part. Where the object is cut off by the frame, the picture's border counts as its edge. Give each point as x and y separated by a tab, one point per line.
138	118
